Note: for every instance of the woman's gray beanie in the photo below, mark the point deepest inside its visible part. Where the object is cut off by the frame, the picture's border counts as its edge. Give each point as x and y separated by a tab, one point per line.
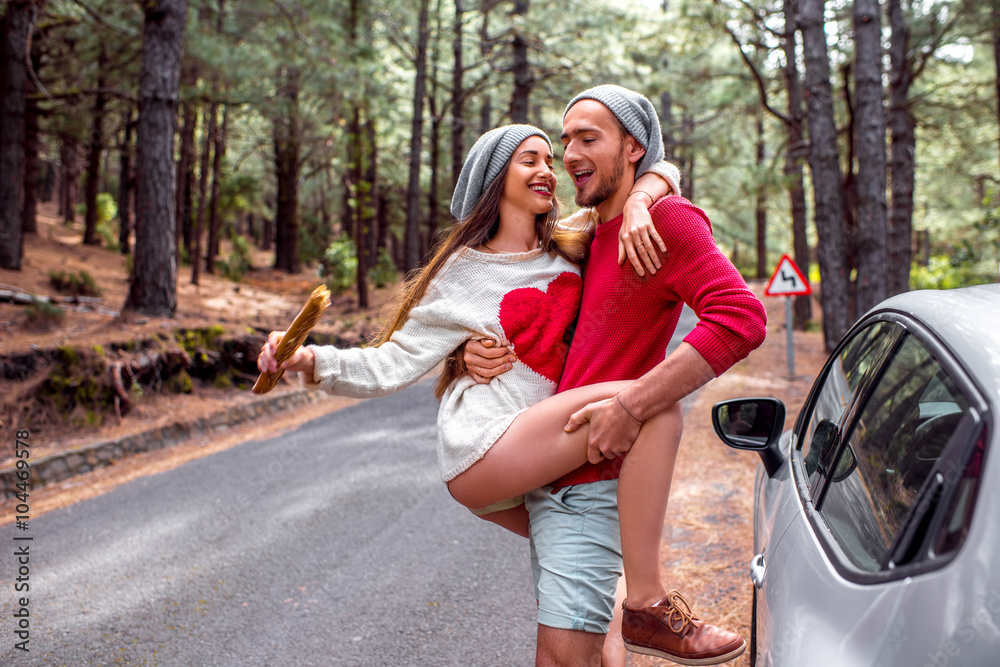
486	159
633	111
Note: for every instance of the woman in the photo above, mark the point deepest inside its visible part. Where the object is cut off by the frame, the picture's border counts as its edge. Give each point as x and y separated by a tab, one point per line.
505	271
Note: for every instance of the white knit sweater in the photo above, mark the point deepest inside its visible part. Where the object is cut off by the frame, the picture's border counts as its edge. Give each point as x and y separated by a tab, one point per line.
525	300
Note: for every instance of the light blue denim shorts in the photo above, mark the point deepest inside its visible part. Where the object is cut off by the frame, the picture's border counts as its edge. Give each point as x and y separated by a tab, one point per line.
576	554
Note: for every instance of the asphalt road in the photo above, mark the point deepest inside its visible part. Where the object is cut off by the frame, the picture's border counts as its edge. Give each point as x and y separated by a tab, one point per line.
335	544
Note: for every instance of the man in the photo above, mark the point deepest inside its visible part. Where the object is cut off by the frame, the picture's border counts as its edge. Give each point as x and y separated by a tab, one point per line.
626	320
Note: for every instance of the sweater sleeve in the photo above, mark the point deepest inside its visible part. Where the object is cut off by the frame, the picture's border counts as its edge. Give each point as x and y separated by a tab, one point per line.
731	319
668	172
428	336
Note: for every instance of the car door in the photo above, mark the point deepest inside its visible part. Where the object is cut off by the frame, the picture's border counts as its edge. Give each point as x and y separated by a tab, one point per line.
886	416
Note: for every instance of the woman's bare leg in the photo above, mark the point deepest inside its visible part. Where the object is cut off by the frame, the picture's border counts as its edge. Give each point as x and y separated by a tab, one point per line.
536	450
643	490
514	519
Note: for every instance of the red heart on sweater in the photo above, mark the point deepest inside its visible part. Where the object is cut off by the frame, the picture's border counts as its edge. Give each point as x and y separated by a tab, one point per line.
535	321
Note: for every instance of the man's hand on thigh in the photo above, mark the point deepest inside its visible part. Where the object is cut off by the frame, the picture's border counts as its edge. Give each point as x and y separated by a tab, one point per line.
612	428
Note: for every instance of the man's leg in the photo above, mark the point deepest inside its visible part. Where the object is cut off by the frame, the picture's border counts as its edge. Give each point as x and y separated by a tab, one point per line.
613	652
576	563
568	648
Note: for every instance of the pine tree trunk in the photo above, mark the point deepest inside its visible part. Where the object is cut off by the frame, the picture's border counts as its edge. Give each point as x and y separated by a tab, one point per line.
349	216
16	33
520	66
413	244
367	175
457	99
287	147
372	197
996	50
203	171
266	233
68	146
667	123
870	247
902	156
823	161
793	165
360	203
48	181
760	208
125	185
94	157
32	117
382	222
849	186
486	114
154	281
433	196
218	152
185	181
687	161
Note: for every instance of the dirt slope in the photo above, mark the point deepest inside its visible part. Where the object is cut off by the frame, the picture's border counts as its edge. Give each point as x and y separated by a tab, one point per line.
264	300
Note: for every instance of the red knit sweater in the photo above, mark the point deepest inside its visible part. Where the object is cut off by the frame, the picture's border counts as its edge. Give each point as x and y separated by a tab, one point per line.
626	321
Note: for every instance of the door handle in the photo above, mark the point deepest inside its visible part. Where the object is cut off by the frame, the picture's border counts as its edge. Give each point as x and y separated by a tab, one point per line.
757	568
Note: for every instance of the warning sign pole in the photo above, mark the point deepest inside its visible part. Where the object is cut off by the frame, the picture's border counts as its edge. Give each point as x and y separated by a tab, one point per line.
788	281
789	336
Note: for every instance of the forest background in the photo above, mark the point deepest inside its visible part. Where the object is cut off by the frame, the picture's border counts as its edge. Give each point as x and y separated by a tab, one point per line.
862	138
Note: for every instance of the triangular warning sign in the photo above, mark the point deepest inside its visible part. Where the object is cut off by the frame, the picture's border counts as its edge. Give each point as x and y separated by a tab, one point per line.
787	280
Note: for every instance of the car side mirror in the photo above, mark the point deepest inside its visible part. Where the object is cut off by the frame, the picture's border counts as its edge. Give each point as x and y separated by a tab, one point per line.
753	424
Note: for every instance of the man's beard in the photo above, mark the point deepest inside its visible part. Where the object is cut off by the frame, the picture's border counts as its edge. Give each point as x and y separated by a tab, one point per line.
607	187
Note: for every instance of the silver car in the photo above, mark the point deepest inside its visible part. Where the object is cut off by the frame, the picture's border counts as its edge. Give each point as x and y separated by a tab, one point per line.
877	517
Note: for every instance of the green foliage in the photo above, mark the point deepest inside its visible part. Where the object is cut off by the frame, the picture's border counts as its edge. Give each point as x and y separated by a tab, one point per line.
180	383
950	272
970	263
135	392
68	356
238	192
196	341
238	263
77	387
813	274
384	271
340	266
314	238
678	54
76	284
107	207
107	223
108	233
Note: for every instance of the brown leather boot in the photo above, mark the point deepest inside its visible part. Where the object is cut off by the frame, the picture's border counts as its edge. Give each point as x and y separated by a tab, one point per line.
669	630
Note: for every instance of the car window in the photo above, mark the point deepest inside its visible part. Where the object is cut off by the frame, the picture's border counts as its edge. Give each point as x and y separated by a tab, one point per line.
893	446
845	372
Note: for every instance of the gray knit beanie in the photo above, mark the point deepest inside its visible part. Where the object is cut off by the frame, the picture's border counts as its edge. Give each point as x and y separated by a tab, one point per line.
486	159
633	111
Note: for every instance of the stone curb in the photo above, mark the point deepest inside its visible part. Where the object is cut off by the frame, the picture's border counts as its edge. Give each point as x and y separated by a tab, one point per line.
84	458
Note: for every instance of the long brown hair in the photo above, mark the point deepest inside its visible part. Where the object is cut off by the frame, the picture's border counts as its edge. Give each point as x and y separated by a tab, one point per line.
478	228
